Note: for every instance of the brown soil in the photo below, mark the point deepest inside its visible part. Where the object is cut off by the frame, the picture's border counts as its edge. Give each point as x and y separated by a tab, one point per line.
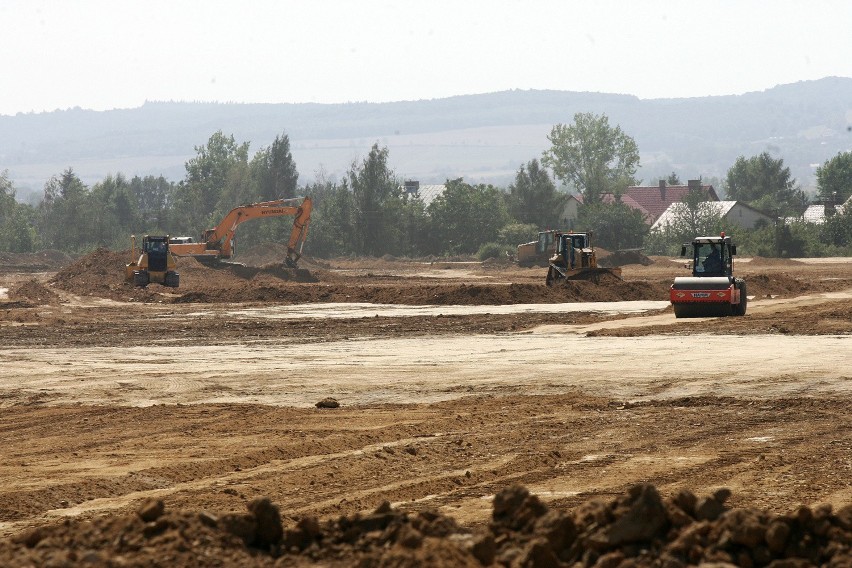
521	450
638	528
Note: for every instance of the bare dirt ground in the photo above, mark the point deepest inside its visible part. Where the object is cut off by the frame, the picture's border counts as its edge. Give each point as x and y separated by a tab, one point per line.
483	418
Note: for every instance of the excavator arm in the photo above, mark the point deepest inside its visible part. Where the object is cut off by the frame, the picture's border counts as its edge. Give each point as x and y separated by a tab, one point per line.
218	242
299	232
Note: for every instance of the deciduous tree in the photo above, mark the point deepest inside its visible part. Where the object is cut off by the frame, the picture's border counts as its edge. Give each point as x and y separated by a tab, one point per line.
834	178
373	185
273	176
614	225
216	181
330	231
66	214
465	216
153	196
117	211
592	156
533	197
766	184
17	233
274	172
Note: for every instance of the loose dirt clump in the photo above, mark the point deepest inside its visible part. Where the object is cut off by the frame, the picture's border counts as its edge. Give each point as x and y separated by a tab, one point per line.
639	528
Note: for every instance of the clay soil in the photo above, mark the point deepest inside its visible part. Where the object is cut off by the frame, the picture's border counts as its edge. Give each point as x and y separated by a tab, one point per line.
470	416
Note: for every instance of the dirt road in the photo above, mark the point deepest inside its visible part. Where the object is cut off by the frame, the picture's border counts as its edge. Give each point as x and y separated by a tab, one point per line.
210	404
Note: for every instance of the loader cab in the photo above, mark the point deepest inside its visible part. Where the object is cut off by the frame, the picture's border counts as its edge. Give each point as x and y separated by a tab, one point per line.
545	242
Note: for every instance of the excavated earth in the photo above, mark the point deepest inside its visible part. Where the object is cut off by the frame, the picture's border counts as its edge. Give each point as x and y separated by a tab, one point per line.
395	412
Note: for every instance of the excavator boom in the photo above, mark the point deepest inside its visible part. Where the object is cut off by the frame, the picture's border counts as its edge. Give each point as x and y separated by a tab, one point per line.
217	243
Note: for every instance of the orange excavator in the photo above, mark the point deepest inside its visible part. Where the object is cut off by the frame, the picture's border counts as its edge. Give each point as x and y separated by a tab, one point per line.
218	243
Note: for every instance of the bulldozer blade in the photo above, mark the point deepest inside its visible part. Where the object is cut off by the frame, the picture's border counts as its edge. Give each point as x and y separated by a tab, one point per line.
593	274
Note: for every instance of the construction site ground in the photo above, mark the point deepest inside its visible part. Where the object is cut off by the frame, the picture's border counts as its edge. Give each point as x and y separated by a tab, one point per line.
455	380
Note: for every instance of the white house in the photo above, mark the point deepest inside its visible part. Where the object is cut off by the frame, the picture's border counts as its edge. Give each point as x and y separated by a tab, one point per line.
734	212
426	192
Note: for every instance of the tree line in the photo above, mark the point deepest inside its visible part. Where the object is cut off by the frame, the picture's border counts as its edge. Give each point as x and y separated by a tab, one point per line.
368	211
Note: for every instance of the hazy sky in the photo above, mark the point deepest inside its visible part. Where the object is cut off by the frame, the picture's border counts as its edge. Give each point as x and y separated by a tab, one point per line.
119	53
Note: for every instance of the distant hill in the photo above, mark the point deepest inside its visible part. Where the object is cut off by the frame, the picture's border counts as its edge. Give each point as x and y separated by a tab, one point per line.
483	138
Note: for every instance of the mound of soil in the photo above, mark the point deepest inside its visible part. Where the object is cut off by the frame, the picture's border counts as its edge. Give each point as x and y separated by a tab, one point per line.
101	274
780	284
261	254
623	258
638	529
34	292
766	261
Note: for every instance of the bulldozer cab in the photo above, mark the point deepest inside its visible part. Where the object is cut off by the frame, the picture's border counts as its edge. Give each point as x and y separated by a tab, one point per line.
157	249
570	245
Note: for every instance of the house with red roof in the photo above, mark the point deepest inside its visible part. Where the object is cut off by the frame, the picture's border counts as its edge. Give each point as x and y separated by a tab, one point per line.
652	201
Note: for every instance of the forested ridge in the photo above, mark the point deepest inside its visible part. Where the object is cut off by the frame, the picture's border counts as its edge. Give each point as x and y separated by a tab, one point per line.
482	138
751	143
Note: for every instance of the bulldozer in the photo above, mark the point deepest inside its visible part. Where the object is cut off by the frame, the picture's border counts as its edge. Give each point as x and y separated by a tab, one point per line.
155	263
575	259
712	290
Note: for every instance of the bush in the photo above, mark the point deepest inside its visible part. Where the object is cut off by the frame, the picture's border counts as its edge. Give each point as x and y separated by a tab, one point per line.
492	250
515	234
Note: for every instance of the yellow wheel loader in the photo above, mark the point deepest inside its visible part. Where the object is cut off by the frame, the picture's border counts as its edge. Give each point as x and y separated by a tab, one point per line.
537	253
